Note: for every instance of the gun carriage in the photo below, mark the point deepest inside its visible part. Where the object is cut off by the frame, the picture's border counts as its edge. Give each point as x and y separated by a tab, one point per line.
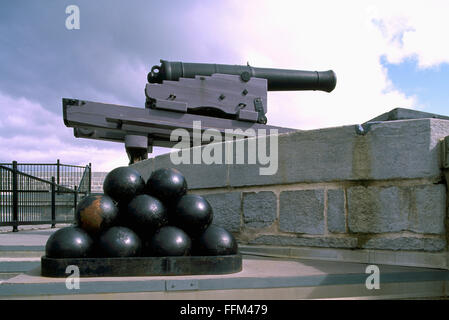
177	94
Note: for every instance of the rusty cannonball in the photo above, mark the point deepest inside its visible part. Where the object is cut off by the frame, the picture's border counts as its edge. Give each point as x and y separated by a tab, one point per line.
96	213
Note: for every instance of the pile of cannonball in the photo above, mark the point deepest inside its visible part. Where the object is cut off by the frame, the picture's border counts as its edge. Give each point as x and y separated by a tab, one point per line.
134	218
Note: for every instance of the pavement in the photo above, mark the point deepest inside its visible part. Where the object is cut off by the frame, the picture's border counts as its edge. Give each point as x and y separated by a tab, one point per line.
30	237
8	229
261	278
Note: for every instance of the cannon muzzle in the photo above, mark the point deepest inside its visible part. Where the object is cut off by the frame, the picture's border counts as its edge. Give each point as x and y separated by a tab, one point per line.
277	79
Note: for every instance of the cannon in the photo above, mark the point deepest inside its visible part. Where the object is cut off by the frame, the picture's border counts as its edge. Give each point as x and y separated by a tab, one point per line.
278	79
178	94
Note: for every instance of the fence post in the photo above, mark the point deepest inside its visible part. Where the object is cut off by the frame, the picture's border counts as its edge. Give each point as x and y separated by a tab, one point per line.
57	172
90	178
15	198
53	202
75	199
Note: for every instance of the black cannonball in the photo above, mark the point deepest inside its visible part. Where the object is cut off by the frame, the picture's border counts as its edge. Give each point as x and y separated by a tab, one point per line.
170	241
193	214
167	184
96	213
123	183
145	214
69	242
119	242
215	241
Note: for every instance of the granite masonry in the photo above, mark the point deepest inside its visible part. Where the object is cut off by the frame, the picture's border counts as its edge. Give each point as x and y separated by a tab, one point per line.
376	188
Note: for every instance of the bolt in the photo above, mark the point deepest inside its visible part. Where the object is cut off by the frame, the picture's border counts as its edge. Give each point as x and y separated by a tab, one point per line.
222	96
245	76
245	92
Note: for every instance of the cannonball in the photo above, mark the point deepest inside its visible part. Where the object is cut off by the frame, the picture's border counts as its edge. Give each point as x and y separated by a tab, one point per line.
69	242
123	183
167	184
96	213
193	214
119	242
170	241
215	241
145	214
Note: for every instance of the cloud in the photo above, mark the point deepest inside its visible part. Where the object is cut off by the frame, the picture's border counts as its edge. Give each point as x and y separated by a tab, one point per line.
313	36
108	58
413	29
30	133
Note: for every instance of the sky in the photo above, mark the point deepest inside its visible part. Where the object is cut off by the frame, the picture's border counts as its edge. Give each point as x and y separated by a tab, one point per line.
386	54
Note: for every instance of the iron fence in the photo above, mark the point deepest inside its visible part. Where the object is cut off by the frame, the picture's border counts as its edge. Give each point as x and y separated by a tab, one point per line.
69	176
26	199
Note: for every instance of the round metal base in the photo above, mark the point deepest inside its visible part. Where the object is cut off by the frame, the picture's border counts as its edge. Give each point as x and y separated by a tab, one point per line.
143	266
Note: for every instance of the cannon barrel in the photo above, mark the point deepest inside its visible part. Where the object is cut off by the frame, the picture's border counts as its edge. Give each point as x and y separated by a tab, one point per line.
278	79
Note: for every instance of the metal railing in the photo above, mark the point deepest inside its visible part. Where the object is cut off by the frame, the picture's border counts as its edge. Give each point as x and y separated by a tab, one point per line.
29	200
85	184
66	175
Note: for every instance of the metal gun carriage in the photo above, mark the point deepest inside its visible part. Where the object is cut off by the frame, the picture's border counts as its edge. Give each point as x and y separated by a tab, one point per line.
177	94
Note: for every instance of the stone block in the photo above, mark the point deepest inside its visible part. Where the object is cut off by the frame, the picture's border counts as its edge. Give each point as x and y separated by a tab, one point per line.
326	242
403	149
259	209
302	211
305	156
198	176
405	243
376	210
428	209
394	209
227	209
336	221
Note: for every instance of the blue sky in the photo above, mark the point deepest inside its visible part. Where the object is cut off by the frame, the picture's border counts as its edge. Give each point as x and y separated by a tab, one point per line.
386	54
430	85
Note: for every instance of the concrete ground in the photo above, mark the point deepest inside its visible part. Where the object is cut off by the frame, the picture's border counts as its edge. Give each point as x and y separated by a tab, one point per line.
8	229
261	278
21	251
26	237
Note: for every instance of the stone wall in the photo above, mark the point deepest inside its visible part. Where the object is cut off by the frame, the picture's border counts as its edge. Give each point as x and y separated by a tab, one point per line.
381	189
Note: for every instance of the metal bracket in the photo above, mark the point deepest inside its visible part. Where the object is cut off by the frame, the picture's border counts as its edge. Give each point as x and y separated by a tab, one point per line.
258	106
136	147
181	285
218	95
